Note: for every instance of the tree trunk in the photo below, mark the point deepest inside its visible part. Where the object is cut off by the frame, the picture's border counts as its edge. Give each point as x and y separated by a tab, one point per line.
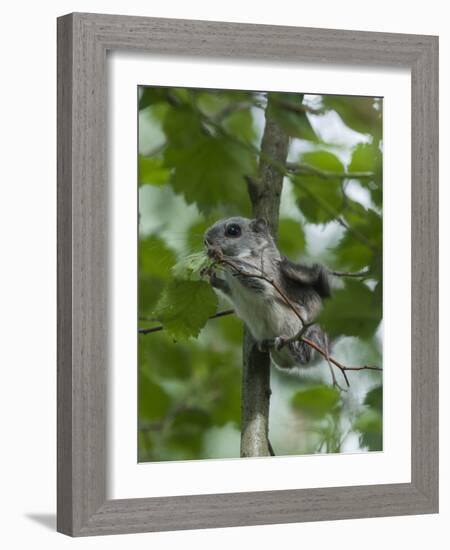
265	194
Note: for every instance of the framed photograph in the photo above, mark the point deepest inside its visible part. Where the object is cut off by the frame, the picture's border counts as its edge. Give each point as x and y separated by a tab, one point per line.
247	274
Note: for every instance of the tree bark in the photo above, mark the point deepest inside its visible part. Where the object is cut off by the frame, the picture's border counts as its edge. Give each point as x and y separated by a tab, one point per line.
265	193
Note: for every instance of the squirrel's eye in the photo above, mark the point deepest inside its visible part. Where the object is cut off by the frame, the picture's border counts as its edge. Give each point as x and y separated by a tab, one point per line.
233	230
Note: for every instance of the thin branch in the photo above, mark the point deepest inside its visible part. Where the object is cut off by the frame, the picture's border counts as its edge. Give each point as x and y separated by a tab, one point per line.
150	330
362	274
333	376
340	366
308	170
328	357
161	327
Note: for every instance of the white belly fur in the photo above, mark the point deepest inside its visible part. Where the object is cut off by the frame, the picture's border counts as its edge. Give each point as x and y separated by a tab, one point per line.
262	312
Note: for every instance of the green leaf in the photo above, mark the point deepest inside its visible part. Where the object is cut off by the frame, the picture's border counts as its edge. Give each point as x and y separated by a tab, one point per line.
363	114
370	427
189	267
208	169
352	254
355	213
374	399
185	307
378	291
214	102
376	192
154	95
291	237
240	125
155	257
362	245
150	289
323	160
286	109
182	125
151	95
353	311
316	401
374	228
152	171
367	157
319	199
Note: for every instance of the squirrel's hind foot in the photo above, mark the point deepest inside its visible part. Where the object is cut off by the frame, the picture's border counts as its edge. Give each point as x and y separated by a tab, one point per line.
265	346
271	344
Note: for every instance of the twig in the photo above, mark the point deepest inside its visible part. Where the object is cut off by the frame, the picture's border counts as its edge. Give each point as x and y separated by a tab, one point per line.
341	367
149	330
362	274
307	169
333	376
161	327
328	357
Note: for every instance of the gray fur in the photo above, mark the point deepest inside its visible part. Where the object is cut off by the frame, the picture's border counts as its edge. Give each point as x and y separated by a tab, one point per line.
256	301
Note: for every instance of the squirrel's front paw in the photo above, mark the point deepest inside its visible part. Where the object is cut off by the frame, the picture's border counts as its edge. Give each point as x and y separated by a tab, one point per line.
280	342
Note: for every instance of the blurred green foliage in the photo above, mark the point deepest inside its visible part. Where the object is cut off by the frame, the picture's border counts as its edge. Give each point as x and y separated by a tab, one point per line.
196	148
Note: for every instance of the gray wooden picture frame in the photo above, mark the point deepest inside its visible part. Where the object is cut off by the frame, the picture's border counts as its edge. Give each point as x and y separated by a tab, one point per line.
83	42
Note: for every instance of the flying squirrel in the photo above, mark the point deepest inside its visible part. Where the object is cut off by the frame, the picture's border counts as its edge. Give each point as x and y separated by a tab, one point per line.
250	248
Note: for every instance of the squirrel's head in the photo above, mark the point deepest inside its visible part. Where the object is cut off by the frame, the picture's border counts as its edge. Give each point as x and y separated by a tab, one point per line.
238	237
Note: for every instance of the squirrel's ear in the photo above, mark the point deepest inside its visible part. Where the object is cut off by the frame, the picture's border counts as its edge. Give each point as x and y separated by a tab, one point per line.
259	225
